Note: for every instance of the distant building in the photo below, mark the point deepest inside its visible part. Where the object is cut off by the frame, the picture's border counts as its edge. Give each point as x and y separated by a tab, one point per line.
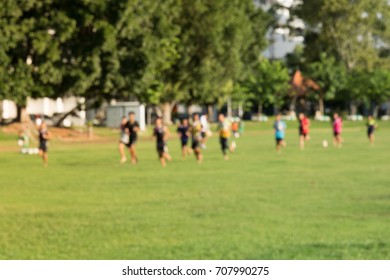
115	112
45	107
281	40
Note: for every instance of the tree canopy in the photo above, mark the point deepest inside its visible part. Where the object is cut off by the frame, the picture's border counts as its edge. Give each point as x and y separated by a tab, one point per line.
155	51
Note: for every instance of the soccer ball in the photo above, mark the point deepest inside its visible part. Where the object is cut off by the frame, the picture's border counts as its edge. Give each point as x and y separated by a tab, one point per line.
325	144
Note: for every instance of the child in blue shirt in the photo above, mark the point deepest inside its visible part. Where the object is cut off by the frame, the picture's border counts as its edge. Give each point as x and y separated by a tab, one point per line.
279	127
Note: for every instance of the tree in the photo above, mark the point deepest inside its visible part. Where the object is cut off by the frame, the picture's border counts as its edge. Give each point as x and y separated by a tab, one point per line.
347	29
160	52
218	43
56	48
33	35
269	83
330	76
379	87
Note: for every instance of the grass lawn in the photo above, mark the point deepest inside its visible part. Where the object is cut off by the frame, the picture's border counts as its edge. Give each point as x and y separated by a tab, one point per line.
313	204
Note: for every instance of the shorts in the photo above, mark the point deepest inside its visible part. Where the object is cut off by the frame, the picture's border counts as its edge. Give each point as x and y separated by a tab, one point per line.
203	134
43	147
302	133
184	142
370	130
132	142
195	144
161	149
224	144
336	133
124	139
279	140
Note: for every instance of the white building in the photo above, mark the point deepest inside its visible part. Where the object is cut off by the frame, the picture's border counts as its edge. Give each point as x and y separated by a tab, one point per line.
281	41
116	111
45	107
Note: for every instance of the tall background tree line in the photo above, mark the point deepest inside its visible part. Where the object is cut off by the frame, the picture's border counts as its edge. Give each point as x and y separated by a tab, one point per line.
189	51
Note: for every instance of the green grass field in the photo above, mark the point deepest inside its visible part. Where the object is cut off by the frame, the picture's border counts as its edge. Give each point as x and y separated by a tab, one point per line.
313	204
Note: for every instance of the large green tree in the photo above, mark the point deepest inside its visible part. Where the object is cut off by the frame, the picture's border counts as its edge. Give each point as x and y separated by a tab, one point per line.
351	30
33	36
330	75
219	41
268	84
160	52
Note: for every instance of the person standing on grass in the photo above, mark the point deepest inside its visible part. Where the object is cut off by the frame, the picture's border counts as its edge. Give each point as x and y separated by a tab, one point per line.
196	135
337	129
279	128
133	129
183	131
304	126
224	134
161	134
124	139
44	136
371	126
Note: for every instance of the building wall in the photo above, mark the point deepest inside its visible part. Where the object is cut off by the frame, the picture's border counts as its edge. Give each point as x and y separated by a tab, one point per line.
43	106
284	42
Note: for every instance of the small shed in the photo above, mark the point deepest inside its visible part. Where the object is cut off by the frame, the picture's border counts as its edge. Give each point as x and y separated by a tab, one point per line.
116	111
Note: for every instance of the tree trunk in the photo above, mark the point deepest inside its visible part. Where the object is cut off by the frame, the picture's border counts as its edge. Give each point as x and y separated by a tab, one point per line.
158	111
21	114
149	115
321	105
293	103
58	123
260	109
275	109
189	113
353	108
166	109
90	131
229	108
240	110
388	108
210	112
375	111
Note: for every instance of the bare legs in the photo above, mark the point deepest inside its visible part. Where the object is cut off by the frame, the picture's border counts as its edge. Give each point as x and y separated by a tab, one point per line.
279	145
133	154
198	154
122	152
337	141
45	157
185	151
132	151
164	157
371	138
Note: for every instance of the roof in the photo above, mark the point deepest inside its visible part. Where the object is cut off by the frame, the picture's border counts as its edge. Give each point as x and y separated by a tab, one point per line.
302	84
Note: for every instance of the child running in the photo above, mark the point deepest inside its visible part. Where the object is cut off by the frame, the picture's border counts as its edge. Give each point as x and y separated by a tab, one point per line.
304	126
279	127
161	134
44	136
196	133
183	131
133	128
371	126
224	134
337	129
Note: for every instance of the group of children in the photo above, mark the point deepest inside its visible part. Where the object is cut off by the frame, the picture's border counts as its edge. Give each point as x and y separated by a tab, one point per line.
198	131
304	128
